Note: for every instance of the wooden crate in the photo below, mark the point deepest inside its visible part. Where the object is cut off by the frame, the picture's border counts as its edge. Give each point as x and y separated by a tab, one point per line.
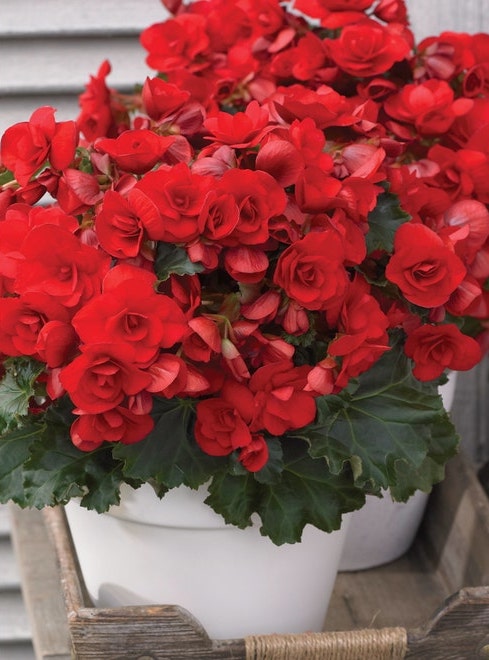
433	603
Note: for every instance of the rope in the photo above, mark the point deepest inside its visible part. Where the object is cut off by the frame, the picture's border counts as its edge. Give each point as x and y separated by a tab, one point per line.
369	644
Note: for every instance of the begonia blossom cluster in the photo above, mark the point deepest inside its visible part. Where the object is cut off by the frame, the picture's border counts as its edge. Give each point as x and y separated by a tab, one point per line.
247	232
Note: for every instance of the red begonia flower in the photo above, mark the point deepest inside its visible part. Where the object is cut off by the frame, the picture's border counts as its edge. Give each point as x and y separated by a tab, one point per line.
425	269
436	348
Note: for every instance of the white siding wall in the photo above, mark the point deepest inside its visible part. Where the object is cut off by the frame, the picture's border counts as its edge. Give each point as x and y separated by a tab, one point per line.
48	49
435	16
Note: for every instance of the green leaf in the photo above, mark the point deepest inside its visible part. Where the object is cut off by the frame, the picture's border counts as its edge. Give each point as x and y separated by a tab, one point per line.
171	259
308	493
271	472
389	427
39	465
384	221
442	446
6	176
14	451
15	446
16	389
234	497
169	455
57	471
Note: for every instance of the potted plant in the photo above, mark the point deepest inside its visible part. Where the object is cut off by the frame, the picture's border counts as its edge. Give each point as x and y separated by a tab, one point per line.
253	274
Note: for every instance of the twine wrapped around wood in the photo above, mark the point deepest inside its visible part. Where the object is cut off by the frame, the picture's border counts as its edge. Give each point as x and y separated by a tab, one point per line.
369	644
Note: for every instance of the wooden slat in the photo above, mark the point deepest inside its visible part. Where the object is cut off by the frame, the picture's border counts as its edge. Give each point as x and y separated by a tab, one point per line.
455	529
459	631
403	592
82	16
78	16
15	636
41	586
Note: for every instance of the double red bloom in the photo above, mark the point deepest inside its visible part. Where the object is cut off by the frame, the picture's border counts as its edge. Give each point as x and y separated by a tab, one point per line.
275	401
27	146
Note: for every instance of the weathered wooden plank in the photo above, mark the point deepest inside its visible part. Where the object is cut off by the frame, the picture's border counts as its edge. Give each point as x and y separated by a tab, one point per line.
41	586
82	16
404	592
78	16
455	529
457	632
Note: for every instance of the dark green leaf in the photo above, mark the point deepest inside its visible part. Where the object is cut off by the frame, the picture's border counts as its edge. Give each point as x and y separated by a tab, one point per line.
17	387
385	429
14	451
307	493
234	497
383	222
169	455
273	469
15	446
58	471
12	487
6	176
442	446
171	259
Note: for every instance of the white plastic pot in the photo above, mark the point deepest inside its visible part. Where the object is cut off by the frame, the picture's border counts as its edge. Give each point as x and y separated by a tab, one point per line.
178	551
383	530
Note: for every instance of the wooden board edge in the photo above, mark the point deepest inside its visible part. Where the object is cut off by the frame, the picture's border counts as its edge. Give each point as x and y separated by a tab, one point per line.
40	585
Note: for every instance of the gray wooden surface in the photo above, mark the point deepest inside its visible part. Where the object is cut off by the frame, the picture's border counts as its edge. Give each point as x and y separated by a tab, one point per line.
41	585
